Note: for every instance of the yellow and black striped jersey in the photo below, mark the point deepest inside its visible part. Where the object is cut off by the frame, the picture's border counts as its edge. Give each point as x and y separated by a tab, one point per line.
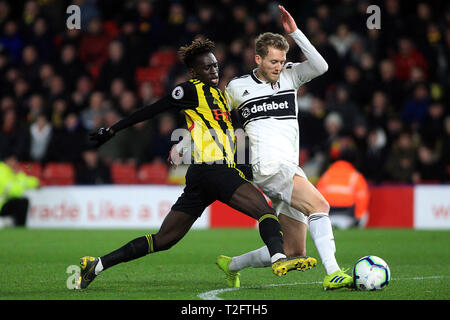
207	117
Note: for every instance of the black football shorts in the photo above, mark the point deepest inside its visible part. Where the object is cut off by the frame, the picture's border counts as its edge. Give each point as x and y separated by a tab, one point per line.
206	183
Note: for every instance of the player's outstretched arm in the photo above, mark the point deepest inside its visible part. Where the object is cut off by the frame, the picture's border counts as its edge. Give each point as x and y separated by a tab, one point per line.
102	135
315	64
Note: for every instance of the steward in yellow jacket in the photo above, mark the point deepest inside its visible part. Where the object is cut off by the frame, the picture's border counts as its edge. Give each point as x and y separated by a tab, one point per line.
13	206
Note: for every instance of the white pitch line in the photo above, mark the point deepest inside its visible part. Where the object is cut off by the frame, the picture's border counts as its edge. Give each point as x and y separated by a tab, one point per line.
213	294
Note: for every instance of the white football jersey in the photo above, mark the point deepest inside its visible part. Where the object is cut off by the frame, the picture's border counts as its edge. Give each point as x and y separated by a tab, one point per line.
269	111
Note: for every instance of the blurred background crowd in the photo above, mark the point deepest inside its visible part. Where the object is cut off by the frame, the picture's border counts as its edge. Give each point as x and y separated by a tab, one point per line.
385	95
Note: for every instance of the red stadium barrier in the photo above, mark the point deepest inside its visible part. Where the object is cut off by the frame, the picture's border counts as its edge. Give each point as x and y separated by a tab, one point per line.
391	206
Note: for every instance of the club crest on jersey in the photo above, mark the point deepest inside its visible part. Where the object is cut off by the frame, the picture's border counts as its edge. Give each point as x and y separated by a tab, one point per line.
276	86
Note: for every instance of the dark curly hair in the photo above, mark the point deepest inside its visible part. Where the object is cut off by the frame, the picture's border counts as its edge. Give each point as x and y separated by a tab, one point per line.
197	47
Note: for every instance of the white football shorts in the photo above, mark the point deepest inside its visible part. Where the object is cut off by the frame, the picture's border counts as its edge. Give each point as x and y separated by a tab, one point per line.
277	182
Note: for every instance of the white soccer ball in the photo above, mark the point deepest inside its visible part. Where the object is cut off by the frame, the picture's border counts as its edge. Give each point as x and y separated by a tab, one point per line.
371	273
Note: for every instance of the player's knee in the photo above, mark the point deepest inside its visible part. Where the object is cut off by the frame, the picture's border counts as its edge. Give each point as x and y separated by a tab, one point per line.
163	242
319	205
323	206
269	211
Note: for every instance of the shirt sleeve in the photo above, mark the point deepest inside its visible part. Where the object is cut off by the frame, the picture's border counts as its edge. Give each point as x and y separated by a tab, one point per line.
229	97
314	66
183	96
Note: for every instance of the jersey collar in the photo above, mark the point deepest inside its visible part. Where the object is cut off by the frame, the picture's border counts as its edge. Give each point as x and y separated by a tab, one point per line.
275	85
254	77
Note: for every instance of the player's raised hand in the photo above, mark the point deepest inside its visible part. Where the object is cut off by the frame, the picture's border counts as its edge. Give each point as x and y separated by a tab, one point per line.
289	24
101	136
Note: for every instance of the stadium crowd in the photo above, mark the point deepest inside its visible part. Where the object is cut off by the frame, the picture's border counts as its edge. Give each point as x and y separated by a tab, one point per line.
385	95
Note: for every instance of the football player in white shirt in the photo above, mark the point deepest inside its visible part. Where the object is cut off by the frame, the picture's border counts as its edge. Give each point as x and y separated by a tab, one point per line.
267	105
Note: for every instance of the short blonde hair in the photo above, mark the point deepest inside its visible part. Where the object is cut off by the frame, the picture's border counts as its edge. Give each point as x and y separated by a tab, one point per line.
269	39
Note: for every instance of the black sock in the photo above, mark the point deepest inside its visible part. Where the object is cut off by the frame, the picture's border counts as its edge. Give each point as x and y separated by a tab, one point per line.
134	249
271	234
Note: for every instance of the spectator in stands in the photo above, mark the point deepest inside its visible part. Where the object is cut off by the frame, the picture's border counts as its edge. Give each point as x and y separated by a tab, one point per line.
69	66
394	24
176	22
22	92
379	110
149	25
146	95
394	127
134	47
343	40
111	151
416	108
92	170
68	142
5	11
46	73
12	41
345	107
374	157
429	166
401	162
40	136
138	152
13	136
432	129
30	66
161	149
313	126
31	12
406	58
83	90
127	103
59	108
94	46
42	39
389	84
35	107
116	90
116	66
92	116
57	89
359	87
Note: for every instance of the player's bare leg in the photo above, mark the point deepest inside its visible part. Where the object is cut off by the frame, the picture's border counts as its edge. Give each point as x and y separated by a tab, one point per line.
250	201
307	199
294	235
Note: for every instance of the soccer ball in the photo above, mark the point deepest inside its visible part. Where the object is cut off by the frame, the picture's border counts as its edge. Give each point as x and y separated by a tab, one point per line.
371	273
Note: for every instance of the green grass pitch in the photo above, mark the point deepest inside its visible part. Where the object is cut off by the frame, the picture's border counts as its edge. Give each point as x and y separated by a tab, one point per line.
33	265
